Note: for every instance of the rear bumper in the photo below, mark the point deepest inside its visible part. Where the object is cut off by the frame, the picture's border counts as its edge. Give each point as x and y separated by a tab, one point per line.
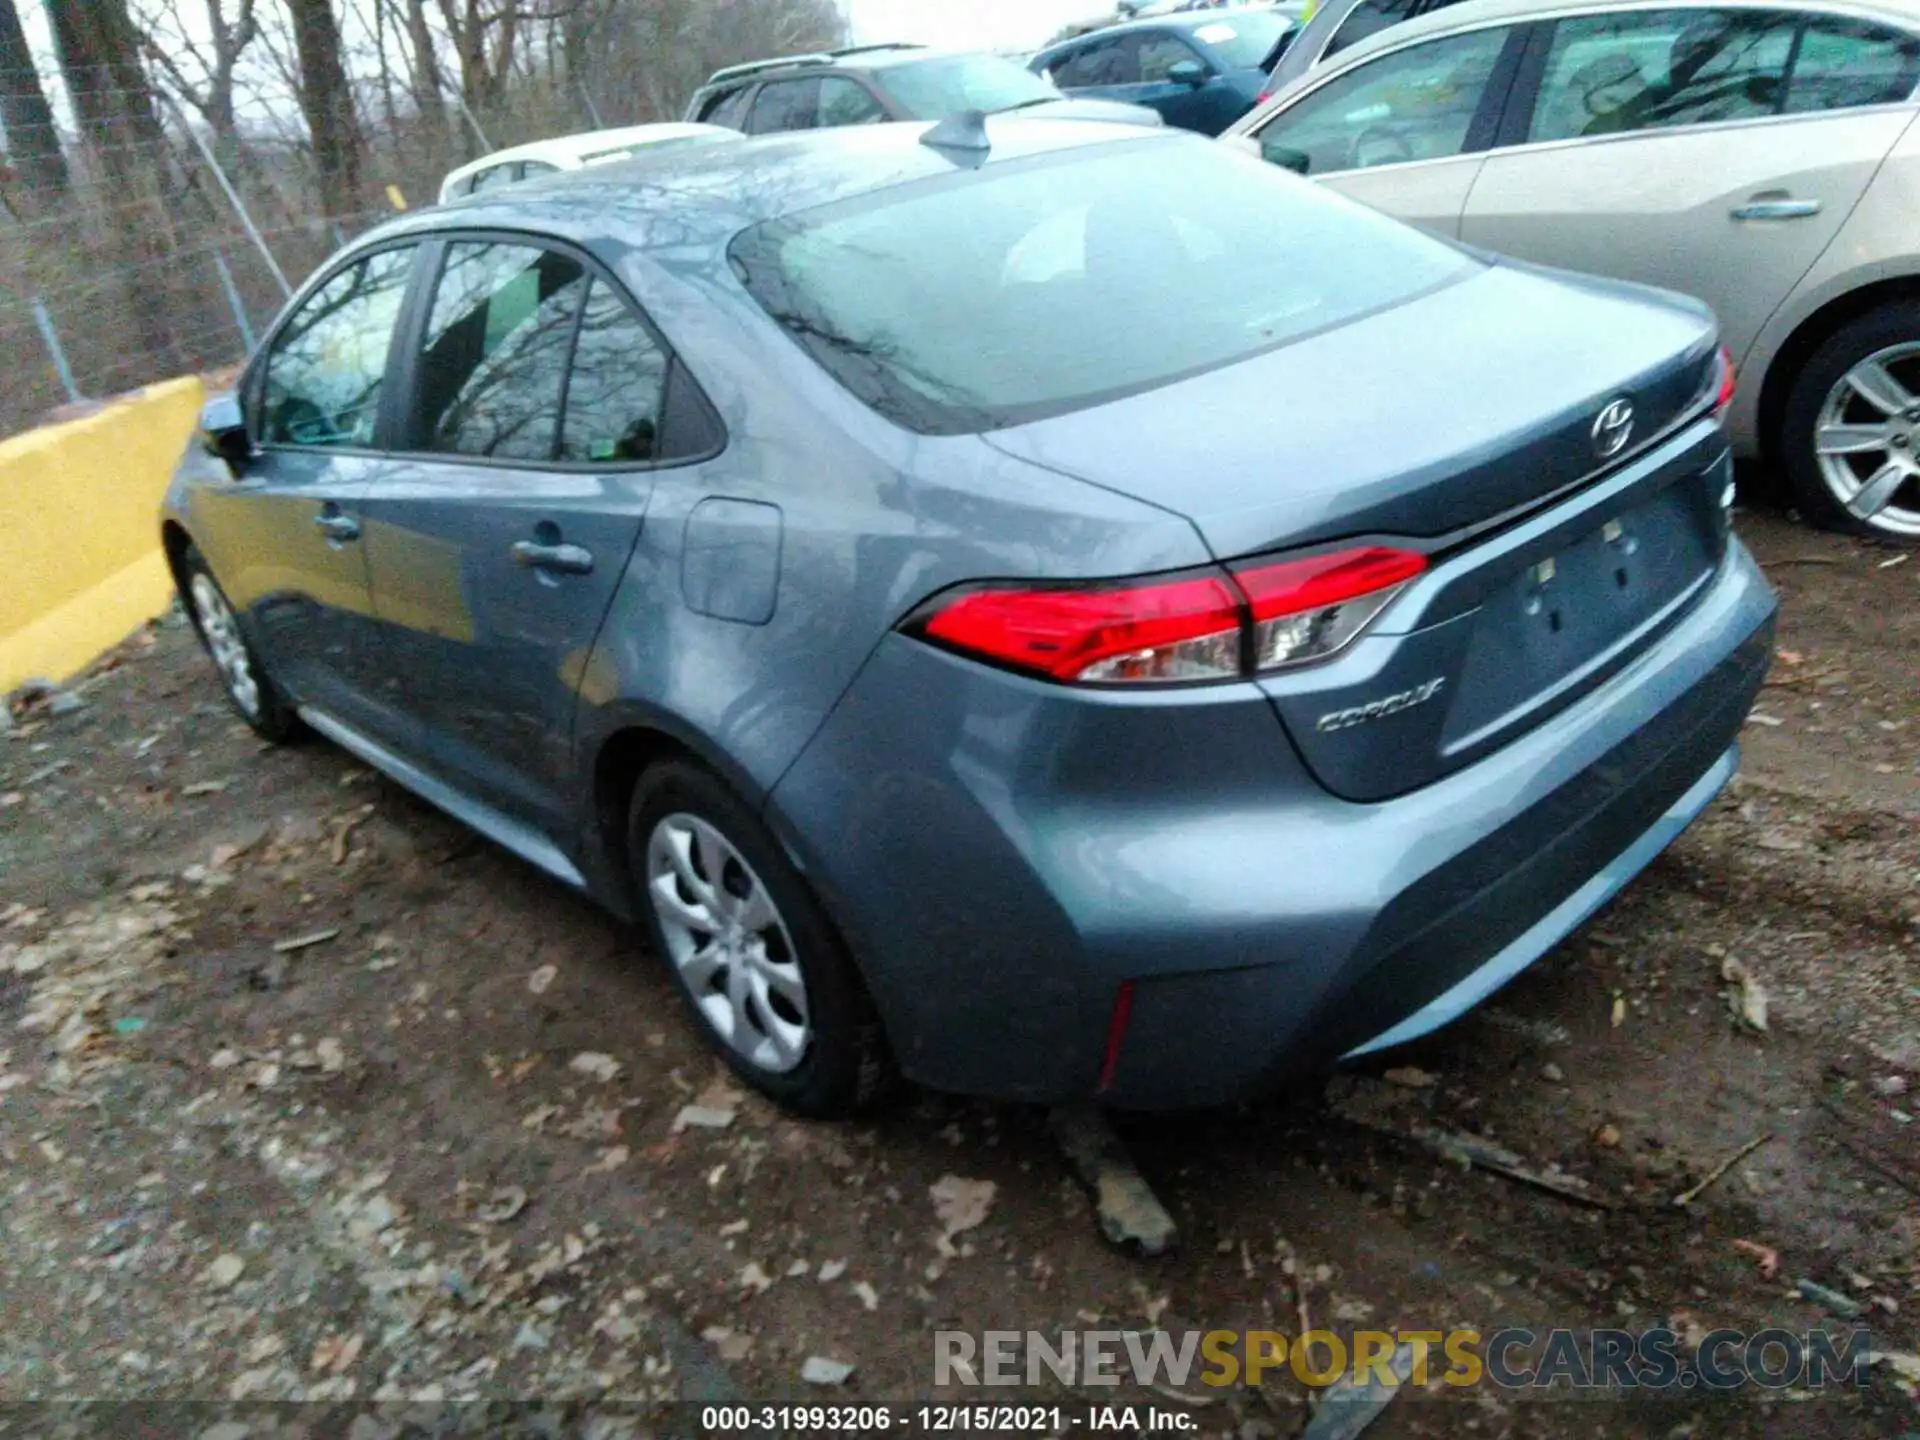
1003	855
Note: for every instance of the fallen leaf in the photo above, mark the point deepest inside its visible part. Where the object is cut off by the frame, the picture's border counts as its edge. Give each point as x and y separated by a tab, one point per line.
537	1118
961	1204
753	1278
831	1270
1748	998
204	787
540	979
1619	1011
1791	657
224	1271
1766	1258
610	1159
595	1066
819	1370
1607	1137
868	1296
1411	1076
730	1344
503	1205
702	1117
333	1059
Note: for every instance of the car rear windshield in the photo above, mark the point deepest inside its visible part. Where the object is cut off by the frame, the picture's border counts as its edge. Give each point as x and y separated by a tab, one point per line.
935	89
1007	294
1245	41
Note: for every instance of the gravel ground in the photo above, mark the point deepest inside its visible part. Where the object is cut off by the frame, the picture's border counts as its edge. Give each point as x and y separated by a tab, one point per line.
308	1094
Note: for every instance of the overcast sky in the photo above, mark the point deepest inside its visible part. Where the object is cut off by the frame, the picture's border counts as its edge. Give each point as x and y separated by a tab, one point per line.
983	24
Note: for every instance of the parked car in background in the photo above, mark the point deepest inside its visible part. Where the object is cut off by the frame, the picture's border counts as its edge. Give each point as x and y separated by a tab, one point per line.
1202	70
571	152
1332	25
869	84
1761	156
1065	608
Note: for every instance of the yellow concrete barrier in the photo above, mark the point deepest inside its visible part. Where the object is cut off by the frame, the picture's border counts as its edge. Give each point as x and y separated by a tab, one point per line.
80	561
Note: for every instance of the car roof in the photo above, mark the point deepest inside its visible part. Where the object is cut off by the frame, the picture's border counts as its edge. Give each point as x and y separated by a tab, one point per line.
703	195
588	142
1175	20
1470	14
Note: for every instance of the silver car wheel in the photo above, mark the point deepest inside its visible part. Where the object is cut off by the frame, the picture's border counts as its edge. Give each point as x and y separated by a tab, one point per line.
1867	440
224	643
726	937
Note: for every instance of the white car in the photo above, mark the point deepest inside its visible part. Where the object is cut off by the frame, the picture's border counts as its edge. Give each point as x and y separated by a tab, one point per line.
571	152
1763	155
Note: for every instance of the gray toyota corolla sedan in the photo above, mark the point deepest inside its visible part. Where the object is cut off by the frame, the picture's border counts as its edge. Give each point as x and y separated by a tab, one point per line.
1057	610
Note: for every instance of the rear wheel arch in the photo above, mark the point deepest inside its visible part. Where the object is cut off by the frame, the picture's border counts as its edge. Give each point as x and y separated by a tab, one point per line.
1805	341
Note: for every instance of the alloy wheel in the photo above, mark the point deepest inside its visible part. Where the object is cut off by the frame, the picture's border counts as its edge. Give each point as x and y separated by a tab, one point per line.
224	643
1867	440
727	938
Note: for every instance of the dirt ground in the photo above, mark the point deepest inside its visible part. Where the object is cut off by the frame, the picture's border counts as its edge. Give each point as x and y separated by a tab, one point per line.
430	1152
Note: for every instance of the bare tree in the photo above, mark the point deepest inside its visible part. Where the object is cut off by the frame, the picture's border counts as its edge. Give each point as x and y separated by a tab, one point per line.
33	144
203	74
326	100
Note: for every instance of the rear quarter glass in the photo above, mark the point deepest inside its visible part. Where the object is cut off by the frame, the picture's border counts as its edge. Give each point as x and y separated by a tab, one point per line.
1032	288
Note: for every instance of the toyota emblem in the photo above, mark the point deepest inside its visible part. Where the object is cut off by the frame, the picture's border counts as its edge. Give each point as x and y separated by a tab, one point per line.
1612	428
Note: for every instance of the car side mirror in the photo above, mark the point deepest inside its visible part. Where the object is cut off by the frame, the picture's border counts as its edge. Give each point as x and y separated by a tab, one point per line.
223	432
1190	73
1286	157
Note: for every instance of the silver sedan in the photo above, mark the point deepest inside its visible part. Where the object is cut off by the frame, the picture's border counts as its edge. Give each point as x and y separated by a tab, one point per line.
1764	158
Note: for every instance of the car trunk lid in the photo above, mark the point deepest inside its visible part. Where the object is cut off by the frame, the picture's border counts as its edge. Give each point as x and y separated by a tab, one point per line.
1551	562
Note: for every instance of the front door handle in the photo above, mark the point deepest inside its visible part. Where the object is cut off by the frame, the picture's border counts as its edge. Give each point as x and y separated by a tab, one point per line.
1780	209
337	527
566	559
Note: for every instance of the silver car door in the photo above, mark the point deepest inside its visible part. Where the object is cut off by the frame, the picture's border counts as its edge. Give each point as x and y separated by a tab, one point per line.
1670	147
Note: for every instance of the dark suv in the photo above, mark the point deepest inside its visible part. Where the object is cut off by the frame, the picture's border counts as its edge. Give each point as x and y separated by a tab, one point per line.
872	83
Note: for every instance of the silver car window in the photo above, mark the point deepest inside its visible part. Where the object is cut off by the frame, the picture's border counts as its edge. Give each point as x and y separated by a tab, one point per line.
1847	63
1655	69
1413	104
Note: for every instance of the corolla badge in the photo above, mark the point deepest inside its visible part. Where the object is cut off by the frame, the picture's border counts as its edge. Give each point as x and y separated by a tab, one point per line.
1379	709
1612	429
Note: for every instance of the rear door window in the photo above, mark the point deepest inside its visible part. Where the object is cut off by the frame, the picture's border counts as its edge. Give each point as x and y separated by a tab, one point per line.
844	101
328	364
1104	62
1844	64
786	105
617	385
729	109
1657	69
498	336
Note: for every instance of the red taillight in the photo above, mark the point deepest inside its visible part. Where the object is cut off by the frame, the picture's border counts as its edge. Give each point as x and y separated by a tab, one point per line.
1728	378
1265	95
1309	609
1182	630
1199	628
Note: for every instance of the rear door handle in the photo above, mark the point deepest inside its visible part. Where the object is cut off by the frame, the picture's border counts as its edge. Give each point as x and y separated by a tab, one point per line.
566	559
1782	209
337	527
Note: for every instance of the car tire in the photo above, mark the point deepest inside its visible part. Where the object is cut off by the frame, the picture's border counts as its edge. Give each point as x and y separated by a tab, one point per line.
749	947
1844	491
250	690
